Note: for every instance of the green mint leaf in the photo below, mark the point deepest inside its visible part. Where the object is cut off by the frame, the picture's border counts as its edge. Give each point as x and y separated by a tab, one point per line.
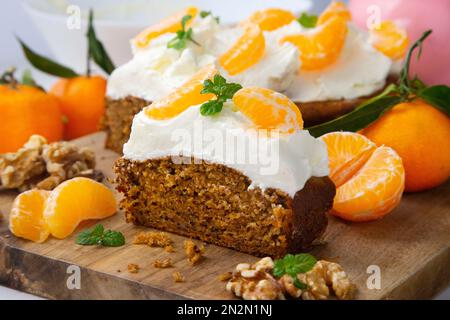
211	107
307	21
113	239
229	90
179	42
98	236
438	96
96	49
359	118
205	14
45	64
299	284
293	265
184	21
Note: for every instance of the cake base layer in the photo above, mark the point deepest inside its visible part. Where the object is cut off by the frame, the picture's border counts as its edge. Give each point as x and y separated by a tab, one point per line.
213	203
118	118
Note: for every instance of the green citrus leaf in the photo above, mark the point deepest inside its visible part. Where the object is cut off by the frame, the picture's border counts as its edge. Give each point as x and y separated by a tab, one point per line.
45	64
96	49
438	96
358	118
307	21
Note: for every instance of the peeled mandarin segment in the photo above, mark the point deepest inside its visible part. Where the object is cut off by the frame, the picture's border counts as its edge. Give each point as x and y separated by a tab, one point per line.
347	152
335	8
375	190
322	46
389	39
182	98
271	19
76	200
26	216
269	109
246	52
171	24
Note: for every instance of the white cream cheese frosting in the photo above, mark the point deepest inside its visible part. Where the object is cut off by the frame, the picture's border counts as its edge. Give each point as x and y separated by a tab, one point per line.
360	70
283	162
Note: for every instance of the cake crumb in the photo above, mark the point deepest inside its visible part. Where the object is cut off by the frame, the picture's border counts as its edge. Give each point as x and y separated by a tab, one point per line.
169	249
133	268
177	277
193	252
225	276
153	239
165	263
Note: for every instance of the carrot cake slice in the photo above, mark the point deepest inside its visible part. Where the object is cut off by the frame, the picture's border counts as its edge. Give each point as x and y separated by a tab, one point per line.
227	165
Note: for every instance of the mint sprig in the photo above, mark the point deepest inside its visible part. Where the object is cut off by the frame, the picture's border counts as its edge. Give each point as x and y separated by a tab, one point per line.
293	265
179	42
98	236
223	92
308	21
406	89
205	14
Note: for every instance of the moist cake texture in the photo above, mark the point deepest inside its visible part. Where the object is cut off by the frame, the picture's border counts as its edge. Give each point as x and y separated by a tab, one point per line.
213	203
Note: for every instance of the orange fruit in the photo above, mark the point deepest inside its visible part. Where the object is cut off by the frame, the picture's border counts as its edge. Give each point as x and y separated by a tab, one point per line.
26	216
169	25
335	8
271	19
183	97
246	52
321	46
389	39
82	102
26	111
76	200
369	180
268	109
420	134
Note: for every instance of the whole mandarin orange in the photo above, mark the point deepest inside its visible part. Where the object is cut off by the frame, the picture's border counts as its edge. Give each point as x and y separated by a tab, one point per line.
25	111
420	134
82	102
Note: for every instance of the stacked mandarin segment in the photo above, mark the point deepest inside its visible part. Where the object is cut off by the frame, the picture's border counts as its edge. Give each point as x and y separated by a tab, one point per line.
271	19
369	180
36	214
389	39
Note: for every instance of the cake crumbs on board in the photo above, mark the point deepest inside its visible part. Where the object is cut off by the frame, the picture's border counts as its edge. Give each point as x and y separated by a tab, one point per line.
154	239
165	263
133	268
177	277
193	252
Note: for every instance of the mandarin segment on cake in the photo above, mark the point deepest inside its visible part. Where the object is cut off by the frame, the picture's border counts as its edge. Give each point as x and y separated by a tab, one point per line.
390	39
271	19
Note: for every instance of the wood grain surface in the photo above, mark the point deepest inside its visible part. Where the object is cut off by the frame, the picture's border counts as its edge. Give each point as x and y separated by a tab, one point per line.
410	247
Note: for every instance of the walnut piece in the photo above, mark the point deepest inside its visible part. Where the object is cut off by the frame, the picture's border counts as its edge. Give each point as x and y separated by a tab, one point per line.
322	280
193	252
165	263
254	282
44	166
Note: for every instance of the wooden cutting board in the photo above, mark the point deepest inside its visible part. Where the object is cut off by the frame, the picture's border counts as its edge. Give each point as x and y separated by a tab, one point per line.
410	247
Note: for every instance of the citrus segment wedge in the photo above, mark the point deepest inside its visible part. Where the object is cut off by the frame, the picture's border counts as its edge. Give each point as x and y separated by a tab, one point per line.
171	24
272	18
26	216
269	109
76	200
246	52
335	8
389	39
182	98
370	180
322	46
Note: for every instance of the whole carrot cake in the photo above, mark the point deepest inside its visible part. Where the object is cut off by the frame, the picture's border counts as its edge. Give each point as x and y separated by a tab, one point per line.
234	170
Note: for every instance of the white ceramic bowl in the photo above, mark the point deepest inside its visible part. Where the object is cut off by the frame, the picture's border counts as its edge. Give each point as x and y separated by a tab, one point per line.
117	21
